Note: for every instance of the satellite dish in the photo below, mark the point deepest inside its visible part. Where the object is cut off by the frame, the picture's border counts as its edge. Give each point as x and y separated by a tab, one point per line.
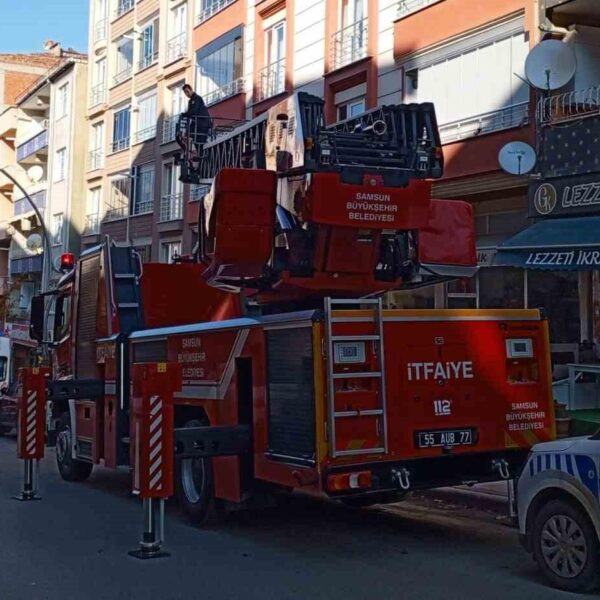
550	65
35	173
517	158
34	242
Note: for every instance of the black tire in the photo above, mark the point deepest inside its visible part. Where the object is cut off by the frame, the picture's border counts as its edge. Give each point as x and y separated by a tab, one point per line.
69	468
566	547
194	486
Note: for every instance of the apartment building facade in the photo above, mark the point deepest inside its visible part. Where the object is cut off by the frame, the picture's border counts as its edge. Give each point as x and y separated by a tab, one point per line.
243	56
50	145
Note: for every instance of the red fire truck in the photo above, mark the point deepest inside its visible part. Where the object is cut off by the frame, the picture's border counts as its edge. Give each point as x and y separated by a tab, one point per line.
294	376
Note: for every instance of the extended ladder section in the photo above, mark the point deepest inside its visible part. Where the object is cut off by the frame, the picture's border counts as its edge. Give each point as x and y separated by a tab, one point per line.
356	398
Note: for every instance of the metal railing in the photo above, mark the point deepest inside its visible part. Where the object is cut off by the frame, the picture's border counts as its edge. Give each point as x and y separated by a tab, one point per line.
92	224
198	191
148	61
22	206
123	6
96	159
121	144
349	44
115	212
177	47
407	7
169	128
230	89
171	207
38	142
122	75
98	94
145	134
212	9
272	80
569	106
516	115
101	30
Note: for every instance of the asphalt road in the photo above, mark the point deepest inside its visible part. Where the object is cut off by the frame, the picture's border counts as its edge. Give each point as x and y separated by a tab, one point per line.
74	543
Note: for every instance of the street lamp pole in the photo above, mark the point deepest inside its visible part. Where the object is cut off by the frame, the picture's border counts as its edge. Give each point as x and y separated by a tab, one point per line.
46	241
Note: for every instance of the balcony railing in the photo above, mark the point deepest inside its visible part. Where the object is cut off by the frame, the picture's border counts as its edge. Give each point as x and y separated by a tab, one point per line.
272	80
92	224
123	6
23	206
115	212
516	115
349	44
171	207
569	106
35	144
407	7
121	144
147	61
100	30
98	94
212	9
96	159
145	134
122	75
176	47
198	191
27	264
232	88
169	128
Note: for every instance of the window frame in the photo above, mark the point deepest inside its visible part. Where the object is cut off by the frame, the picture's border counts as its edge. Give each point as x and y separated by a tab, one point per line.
121	143
62	104
60	160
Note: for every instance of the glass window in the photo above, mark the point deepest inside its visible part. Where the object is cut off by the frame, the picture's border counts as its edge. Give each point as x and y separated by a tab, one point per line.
26	294
121	129
351	109
418	298
61	318
124	58
118	202
352	11
57	228
144	189
169	250
501	287
147	117
60	164
149	45
462	293
62	101
558	294
217	71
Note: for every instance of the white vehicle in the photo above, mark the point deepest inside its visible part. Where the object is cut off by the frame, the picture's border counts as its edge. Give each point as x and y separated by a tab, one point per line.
558	498
4	361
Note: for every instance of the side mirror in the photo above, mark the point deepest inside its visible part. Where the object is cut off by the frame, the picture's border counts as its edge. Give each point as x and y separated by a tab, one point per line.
36	322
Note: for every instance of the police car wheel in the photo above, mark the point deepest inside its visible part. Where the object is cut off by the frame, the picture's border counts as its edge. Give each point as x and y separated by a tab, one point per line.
69	468
194	485
566	546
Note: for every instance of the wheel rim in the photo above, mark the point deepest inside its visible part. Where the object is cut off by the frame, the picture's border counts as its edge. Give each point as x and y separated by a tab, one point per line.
63	445
192	478
563	546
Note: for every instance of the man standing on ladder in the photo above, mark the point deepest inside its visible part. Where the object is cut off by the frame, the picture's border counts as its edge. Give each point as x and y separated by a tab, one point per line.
198	119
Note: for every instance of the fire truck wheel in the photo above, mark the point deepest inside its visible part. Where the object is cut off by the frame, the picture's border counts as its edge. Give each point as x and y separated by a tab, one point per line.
194	485
566	547
69	468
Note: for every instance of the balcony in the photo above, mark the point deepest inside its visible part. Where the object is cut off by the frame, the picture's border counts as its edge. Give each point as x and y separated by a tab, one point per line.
408	7
122	75
92	224
95	159
226	91
349	44
176	47
169	128
145	134
116	212
120	144
271	80
123	6
98	94
198	191
212	9
171	207
33	146
569	106
516	115
22	205
101	30
27	264
148	61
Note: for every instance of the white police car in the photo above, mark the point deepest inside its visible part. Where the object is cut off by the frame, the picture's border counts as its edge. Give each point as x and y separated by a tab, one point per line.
558	498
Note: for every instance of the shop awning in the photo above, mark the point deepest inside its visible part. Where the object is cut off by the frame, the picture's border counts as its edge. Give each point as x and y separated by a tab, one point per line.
571	244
